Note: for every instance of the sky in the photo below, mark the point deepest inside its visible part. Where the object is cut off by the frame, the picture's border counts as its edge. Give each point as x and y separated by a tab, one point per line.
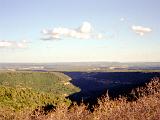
79	30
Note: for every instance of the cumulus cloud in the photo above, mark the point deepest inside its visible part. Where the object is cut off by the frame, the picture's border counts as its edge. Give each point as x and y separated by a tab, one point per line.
85	31
141	30
85	27
13	44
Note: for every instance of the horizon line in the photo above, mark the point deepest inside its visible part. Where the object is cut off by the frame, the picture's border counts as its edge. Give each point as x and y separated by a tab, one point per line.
83	62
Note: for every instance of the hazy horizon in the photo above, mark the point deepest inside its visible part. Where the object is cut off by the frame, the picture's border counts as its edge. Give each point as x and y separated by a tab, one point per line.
76	62
53	31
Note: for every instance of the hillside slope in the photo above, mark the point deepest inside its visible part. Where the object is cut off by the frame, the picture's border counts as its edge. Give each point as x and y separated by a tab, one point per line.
52	82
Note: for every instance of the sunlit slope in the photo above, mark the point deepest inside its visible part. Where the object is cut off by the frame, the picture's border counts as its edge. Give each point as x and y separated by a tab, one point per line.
52	82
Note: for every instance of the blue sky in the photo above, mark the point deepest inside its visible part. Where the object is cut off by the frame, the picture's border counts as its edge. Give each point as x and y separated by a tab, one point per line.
79	30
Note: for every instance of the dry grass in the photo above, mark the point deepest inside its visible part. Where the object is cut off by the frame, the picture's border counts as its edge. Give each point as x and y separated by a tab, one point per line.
145	107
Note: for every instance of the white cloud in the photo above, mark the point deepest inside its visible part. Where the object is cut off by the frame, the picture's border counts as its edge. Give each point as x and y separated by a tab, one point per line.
122	19
85	27
5	44
141	30
13	44
85	31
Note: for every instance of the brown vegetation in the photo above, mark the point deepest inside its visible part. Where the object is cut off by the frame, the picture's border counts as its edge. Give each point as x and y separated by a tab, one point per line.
146	106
